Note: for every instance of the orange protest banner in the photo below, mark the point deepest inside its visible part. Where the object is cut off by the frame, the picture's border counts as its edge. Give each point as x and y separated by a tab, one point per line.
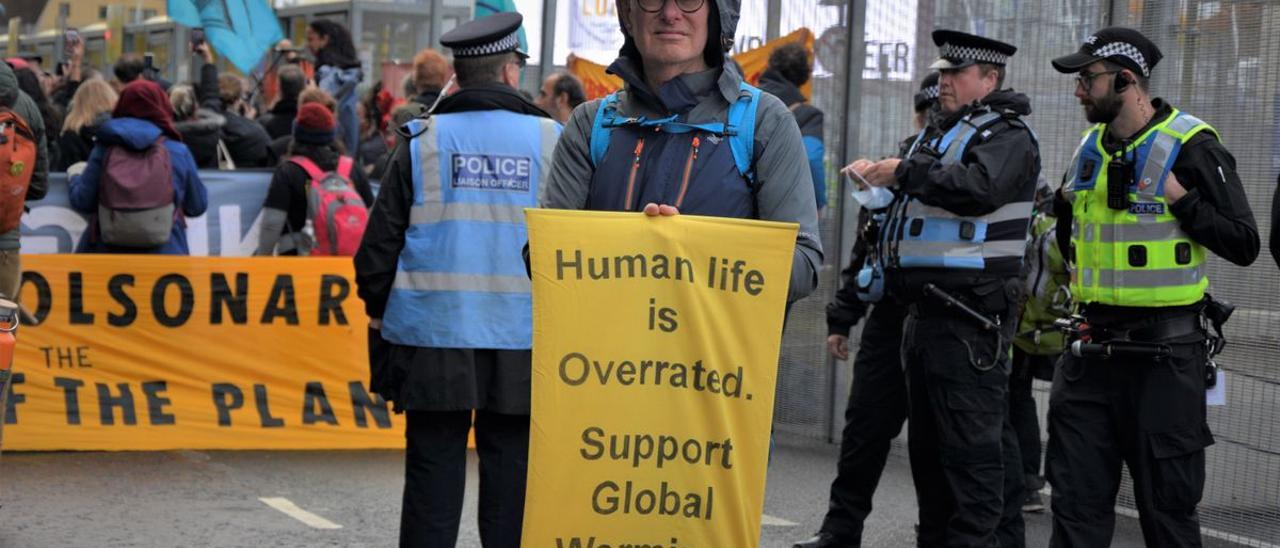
159	353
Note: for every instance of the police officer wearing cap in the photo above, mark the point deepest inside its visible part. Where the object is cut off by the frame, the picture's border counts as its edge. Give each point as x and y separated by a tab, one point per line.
1150	192
953	246
877	405
444	285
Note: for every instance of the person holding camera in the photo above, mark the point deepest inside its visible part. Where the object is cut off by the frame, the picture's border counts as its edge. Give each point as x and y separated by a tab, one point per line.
1150	192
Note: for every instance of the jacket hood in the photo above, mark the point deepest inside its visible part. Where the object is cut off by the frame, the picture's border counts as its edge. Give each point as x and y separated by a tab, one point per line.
8	86
773	82
1007	101
206	121
724	18
132	133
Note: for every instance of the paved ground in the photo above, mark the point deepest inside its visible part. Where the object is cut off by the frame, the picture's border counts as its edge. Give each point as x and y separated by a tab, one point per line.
192	498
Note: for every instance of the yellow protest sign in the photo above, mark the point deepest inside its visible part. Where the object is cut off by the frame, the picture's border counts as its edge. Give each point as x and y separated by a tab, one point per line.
655	349
157	353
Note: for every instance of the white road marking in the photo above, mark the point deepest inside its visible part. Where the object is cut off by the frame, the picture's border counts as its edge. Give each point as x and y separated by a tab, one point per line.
290	509
766	519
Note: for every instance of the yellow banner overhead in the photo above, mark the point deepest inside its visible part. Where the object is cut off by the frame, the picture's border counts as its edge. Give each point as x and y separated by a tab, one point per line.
157	353
655	352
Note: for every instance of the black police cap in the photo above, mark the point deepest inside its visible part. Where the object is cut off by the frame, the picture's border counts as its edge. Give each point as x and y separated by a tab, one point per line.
497	33
928	93
1123	46
957	50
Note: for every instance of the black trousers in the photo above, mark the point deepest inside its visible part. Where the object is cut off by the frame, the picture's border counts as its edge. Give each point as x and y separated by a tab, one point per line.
1022	412
436	472
961	442
873	418
1149	414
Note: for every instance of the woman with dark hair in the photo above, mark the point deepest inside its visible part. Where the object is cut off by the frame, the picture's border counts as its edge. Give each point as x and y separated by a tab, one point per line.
337	73
29	83
142	119
284	211
375	111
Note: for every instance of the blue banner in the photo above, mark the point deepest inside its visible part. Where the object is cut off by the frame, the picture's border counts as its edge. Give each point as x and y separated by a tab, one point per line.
240	30
228	229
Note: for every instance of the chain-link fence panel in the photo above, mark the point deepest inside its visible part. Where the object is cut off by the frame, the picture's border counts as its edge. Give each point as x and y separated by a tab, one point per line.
1220	64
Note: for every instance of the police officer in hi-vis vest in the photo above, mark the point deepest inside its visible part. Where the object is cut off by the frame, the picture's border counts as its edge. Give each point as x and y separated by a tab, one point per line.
952	246
444	283
1150	191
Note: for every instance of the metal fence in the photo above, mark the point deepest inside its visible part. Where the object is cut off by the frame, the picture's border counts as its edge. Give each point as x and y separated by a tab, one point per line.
1220	64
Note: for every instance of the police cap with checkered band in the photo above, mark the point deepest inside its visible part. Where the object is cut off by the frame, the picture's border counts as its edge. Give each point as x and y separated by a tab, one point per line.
957	50
497	33
1123	46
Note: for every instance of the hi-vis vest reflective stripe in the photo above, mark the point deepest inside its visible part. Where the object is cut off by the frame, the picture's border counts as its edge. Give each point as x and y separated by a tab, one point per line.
460	281
923	236
1137	257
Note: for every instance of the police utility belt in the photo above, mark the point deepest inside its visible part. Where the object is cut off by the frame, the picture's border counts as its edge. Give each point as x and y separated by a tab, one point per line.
1149	341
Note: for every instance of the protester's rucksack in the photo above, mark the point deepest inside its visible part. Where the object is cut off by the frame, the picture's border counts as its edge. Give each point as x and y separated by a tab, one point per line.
136	198
739	126
1047	294
336	211
17	163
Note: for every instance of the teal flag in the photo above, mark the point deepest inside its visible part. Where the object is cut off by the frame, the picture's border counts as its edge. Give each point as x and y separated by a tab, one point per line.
240	30
485	8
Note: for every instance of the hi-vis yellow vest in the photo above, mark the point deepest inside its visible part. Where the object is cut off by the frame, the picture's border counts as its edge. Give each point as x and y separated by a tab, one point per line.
1137	257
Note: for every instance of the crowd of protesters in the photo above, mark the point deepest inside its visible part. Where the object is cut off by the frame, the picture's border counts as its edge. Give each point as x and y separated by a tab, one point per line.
314	104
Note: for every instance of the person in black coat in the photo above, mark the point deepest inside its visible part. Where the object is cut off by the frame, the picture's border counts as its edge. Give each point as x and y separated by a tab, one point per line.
201	128
284	211
278	121
89	109
789	68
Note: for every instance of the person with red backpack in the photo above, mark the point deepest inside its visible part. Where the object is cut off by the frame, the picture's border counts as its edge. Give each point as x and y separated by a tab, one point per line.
140	182
317	203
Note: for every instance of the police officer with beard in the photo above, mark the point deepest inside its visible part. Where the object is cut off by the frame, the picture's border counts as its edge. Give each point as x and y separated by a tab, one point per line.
1150	192
953	246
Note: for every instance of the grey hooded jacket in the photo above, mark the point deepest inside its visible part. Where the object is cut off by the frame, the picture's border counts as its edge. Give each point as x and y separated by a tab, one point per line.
13	98
784	186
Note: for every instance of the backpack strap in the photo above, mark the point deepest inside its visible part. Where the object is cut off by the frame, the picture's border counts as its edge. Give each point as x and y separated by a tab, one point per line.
741	130
309	166
344	167
600	131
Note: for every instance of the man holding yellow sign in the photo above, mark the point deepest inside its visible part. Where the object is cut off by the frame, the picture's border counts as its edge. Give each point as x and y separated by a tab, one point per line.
656	342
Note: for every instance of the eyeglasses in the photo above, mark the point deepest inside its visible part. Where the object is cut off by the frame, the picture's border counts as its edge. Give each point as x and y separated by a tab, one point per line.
655	6
519	61
1085	79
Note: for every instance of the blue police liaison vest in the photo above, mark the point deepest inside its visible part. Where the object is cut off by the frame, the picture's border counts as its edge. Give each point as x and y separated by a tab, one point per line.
919	236
460	280
702	169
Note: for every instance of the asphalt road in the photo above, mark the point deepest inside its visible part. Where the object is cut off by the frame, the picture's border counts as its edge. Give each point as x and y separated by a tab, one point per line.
349	498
